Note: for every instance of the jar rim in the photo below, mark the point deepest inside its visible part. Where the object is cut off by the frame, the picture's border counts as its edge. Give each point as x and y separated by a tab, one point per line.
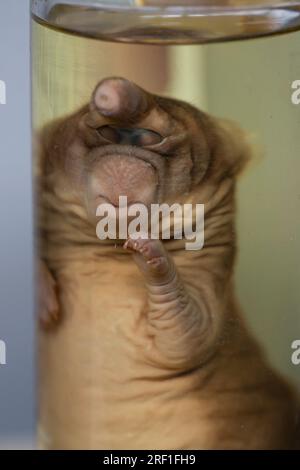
161	23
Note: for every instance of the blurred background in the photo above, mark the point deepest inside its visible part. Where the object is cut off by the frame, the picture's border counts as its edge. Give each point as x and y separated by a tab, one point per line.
248	81
16	306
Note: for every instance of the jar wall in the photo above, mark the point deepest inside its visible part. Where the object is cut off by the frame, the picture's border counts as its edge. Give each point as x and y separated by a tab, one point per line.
248	82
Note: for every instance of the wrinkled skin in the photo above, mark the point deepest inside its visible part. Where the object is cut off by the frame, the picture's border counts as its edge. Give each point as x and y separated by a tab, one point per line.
142	345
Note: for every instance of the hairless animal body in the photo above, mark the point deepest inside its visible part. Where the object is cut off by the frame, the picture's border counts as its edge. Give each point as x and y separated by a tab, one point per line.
142	344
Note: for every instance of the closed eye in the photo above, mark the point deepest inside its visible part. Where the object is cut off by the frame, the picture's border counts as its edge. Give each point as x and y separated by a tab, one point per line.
135	136
110	133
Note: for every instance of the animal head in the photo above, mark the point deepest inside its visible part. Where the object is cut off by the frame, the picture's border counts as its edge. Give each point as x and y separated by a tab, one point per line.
151	149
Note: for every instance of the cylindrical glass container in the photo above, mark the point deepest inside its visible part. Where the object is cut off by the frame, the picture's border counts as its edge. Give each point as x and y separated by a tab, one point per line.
167	228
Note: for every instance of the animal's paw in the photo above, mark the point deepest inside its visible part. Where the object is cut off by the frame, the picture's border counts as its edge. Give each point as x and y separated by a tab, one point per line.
48	307
150	255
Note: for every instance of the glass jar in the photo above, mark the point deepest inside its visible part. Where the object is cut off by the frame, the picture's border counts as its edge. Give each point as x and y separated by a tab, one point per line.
167	202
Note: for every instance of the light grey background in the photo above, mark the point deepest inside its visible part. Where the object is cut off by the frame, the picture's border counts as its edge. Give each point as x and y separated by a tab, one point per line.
16	318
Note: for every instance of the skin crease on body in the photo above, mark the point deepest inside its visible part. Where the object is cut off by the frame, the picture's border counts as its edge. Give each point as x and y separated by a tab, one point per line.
142	344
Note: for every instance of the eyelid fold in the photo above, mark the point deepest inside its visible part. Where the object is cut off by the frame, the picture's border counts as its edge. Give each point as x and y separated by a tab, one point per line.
134	136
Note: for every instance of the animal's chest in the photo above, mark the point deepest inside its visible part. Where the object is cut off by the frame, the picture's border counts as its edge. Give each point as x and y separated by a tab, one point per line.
101	302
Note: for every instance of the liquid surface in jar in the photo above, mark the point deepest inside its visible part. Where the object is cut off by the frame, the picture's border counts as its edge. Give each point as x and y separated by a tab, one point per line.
171	22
